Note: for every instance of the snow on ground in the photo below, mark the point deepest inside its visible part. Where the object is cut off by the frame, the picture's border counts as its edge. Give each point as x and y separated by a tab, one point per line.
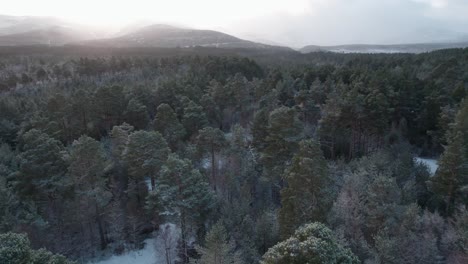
147	255
154	251
148	184
430	163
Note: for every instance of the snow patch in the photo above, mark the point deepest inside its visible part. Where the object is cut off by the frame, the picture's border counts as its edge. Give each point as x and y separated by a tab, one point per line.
147	255
155	251
430	163
148	184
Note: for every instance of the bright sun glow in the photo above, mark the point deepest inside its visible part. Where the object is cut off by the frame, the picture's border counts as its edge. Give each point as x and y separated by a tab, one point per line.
198	13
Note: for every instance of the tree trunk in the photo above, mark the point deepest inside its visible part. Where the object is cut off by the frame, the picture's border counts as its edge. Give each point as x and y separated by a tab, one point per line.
153	182
450	193
213	166
100	228
184	238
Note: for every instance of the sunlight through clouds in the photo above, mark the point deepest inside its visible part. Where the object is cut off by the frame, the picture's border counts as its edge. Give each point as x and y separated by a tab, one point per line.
196	13
291	22
434	3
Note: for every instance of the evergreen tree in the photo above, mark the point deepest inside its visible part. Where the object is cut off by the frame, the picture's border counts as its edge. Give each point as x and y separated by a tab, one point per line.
16	249
136	114
217	248
80	112
182	192
194	118
413	241
167	123
119	141
211	140
119	137
450	184
87	170
307	196
145	154
109	103
260	129
312	243
212	110
14	210
41	165
284	132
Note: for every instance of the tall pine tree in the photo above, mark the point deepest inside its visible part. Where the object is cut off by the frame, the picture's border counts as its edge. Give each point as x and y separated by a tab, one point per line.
306	196
450	184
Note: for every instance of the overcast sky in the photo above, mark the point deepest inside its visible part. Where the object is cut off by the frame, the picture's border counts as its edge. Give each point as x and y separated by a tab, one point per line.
291	22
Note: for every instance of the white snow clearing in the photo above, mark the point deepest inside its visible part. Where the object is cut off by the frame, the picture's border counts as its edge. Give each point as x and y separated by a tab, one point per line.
147	255
155	251
430	163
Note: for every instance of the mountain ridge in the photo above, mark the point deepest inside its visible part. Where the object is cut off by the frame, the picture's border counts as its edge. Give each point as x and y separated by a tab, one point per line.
31	30
168	36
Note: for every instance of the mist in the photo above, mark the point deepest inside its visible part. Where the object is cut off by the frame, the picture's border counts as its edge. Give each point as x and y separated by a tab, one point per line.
294	23
364	22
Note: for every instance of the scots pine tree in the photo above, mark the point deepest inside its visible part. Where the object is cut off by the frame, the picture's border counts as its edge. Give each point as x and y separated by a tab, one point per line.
312	243
306	197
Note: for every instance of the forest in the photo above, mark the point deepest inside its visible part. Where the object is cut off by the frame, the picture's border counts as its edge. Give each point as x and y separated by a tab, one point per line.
255	157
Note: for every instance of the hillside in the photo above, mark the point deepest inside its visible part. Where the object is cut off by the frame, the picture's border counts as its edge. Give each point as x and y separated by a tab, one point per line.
48	36
166	36
21	24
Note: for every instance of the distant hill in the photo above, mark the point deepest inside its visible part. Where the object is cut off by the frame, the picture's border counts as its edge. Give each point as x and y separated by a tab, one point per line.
400	48
20	24
54	36
50	31
31	30
165	36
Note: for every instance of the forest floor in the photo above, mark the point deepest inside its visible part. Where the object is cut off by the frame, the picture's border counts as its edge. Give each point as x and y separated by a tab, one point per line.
147	255
154	250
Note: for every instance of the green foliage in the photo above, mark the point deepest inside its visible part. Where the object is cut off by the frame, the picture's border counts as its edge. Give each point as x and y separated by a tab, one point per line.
408	243
211	140
217	249
41	164
183	193
312	243
145	154
87	170
284	132
307	196
73	175
136	114
182	190
194	118
167	123
109	103
450	184
16	249
120	136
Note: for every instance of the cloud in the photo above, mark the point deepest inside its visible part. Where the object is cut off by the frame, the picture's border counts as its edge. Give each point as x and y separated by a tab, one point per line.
365	21
434	3
292	22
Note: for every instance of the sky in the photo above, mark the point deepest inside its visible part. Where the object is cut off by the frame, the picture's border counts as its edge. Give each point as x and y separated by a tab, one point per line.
290	22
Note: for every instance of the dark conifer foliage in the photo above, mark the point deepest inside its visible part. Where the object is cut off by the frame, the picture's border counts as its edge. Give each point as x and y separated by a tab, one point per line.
251	154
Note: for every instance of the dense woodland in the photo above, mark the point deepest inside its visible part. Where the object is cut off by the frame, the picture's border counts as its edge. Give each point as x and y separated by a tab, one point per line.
256	157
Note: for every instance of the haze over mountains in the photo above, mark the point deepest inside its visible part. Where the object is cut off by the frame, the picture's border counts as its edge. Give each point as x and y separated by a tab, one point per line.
395	48
167	36
20	31
30	30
